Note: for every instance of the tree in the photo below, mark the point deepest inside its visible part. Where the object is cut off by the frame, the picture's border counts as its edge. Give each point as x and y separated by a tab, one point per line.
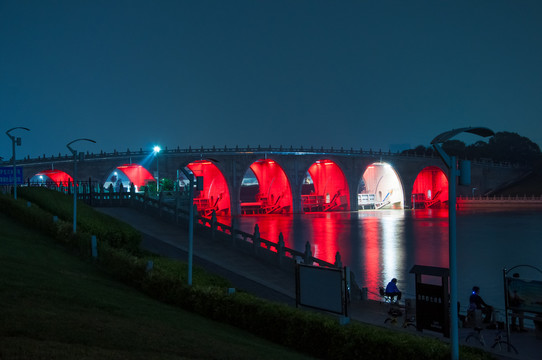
167	184
503	147
455	148
511	147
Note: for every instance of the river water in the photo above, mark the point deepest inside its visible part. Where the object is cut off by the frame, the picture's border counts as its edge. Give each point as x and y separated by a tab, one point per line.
378	245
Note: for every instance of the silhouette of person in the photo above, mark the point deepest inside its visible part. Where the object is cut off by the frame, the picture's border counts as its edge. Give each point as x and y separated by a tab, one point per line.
515	301
477	303
392	291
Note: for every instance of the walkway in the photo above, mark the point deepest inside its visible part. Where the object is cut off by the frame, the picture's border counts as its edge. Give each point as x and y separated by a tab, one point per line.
266	281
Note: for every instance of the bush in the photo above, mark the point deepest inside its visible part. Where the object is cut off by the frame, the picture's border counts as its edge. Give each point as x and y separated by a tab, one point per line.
117	233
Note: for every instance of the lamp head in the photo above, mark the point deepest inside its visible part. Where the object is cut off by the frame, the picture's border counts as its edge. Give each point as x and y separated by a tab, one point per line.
156	149
480	131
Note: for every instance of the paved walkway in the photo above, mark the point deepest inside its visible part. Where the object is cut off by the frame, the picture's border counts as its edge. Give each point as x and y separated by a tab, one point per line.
251	275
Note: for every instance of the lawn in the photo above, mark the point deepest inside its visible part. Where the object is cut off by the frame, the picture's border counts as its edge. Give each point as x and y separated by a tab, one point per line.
53	305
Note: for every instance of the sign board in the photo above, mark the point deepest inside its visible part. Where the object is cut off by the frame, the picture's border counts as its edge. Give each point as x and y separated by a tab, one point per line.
321	288
524	295
432	301
6	175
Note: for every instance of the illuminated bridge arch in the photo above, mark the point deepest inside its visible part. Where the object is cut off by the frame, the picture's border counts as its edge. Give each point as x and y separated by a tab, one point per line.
128	174
215	194
325	188
266	189
51	178
430	188
380	188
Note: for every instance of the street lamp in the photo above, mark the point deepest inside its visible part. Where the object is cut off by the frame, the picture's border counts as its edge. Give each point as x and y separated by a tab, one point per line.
74	152
464	174
156	150
191	179
15	141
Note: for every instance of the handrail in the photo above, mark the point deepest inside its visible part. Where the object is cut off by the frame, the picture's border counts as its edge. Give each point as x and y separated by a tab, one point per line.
131	198
259	149
500	198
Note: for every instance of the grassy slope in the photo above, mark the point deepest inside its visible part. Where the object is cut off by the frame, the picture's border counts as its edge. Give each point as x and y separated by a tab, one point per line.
53	305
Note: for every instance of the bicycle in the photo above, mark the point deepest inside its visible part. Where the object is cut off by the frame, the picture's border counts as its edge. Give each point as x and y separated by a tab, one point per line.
500	342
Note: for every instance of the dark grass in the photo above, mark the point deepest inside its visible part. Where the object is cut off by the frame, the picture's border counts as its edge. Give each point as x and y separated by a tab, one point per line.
56	306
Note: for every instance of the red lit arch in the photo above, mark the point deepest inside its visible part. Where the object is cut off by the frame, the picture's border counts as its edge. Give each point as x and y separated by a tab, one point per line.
430	188
330	188
215	194
58	177
137	174
274	195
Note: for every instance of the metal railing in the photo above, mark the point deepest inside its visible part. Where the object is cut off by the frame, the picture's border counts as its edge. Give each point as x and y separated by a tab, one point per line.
175	209
258	149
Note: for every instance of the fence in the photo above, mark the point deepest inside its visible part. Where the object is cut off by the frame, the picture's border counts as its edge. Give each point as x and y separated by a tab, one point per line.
172	206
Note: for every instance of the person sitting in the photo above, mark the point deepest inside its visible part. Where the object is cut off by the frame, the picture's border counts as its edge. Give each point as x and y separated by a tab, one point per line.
515	302
392	291
477	303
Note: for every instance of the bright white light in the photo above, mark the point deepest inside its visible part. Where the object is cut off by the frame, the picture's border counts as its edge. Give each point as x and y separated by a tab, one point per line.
156	149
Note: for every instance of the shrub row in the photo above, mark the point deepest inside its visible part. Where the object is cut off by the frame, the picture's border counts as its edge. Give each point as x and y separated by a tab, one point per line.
117	233
312	333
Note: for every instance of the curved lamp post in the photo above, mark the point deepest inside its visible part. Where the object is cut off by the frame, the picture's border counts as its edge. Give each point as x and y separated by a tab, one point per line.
155	151
453	172
15	141
191	179
74	152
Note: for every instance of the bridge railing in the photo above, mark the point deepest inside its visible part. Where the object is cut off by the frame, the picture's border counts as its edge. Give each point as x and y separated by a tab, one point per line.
502	198
174	209
253	149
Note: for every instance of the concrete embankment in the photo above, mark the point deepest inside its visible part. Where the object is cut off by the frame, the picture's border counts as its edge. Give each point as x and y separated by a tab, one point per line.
500	203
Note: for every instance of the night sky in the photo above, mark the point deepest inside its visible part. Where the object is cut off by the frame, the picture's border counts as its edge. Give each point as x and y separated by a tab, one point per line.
370	74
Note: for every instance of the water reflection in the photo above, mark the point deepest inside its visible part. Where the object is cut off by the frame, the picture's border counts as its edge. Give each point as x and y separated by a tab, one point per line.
381	244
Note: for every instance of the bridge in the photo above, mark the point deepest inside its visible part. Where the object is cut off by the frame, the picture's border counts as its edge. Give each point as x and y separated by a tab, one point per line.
278	180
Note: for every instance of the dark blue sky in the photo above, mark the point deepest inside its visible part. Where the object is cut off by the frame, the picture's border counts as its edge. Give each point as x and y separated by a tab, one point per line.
370	74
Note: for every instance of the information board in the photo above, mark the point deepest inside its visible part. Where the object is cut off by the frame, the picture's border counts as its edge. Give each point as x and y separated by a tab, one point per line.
320	288
524	295
6	175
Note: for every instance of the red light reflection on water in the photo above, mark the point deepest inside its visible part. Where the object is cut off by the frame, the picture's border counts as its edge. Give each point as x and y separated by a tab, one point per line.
270	226
372	253
430	237
377	245
326	234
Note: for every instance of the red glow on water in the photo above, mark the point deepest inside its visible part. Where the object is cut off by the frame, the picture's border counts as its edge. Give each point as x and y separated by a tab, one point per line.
371	253
430	188
430	235
325	245
215	194
57	176
270	226
137	174
330	188
274	195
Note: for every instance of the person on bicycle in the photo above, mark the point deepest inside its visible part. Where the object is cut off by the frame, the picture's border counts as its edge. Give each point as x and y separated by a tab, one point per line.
477	303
